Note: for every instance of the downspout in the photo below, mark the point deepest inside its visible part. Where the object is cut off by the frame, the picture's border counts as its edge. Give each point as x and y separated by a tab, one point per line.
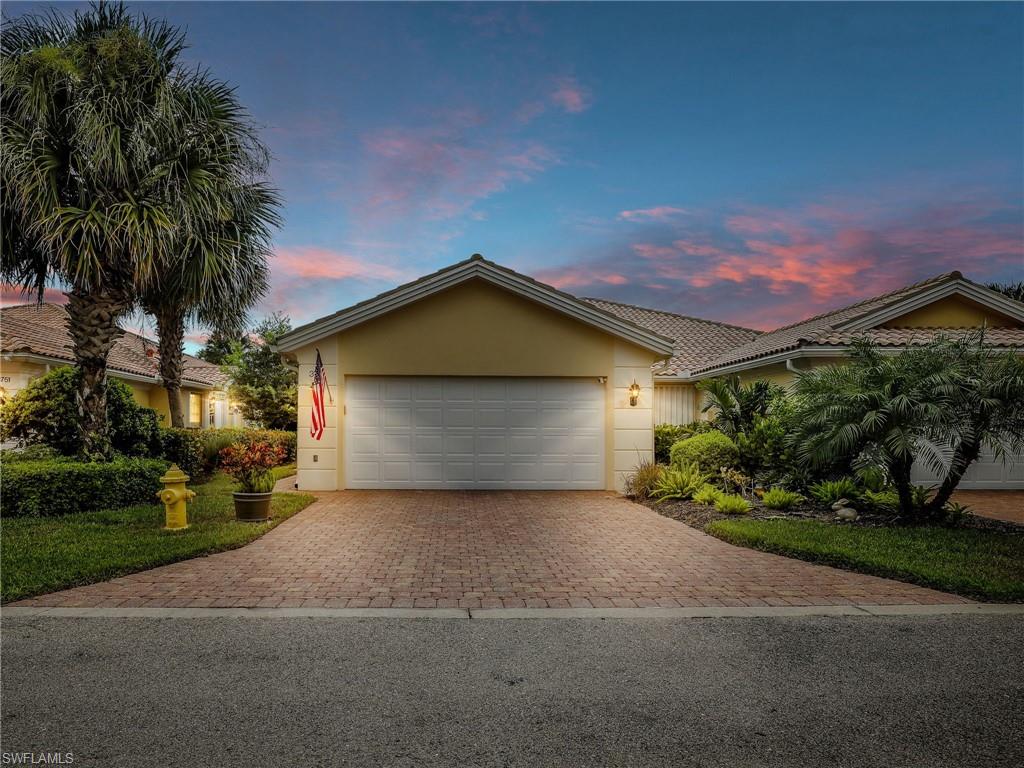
791	366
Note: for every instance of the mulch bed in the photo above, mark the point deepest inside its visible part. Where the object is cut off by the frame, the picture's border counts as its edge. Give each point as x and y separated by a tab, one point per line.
699	516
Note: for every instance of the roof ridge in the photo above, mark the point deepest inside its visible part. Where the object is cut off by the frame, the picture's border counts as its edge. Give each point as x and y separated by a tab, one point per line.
954	275
673	314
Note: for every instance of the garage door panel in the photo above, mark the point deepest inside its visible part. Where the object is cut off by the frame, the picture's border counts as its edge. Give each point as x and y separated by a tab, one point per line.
429	446
523	417
459	472
492	417
396	445
427	417
396	471
364	471
523	445
363	416
459	416
474	433
396	416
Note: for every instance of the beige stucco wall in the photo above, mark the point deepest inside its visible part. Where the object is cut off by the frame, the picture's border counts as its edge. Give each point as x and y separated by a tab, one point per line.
951	312
16	374
477	329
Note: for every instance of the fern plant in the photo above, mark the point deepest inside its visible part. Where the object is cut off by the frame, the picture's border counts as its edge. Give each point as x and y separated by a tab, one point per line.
732	504
680	483
707	495
831	491
780	498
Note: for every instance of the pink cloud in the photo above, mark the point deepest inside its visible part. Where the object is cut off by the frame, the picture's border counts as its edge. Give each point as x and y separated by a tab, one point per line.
657	213
570	278
570	96
312	262
11	296
438	173
769	267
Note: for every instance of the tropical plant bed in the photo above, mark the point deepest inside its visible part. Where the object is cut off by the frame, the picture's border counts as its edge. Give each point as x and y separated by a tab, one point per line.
46	554
701	515
971	556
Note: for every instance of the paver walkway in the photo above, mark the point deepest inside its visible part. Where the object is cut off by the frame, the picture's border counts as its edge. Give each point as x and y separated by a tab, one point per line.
482	549
999	505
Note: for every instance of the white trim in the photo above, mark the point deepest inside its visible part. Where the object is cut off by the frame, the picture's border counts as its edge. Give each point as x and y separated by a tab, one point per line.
459	273
977	293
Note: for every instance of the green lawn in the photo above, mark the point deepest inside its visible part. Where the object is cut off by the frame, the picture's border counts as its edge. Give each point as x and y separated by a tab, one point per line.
988	565
45	554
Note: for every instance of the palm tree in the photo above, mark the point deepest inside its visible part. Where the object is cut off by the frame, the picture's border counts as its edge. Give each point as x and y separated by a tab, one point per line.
1014	290
104	186
985	409
737	405
224	272
876	407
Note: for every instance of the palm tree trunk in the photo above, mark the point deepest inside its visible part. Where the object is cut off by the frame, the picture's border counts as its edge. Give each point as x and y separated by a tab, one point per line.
170	327
964	455
901	479
93	325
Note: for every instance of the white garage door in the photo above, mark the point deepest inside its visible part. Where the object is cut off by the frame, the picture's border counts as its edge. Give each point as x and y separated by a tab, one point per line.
987	473
431	432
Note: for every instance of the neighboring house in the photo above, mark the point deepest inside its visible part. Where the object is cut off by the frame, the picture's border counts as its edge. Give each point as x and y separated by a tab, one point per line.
948	304
34	339
479	377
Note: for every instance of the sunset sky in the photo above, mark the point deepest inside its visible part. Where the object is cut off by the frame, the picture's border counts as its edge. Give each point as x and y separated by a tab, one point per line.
749	163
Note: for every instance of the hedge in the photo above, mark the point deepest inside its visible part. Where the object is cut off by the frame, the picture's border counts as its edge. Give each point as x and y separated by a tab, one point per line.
184	447
711	451
49	488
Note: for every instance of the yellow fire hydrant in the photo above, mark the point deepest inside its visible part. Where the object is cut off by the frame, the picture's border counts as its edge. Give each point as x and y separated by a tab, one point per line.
174	495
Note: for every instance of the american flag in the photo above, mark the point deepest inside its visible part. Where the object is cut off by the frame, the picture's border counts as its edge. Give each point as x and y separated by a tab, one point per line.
318	387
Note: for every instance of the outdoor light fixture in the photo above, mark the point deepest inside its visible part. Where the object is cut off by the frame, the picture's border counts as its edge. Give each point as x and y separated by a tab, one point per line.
634	392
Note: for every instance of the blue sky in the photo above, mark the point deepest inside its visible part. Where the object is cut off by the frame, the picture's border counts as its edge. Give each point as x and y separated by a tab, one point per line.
754	163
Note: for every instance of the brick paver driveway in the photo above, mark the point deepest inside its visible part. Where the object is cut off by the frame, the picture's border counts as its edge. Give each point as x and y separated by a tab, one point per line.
488	549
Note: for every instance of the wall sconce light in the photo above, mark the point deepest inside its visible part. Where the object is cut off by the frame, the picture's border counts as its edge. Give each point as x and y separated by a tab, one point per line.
634	392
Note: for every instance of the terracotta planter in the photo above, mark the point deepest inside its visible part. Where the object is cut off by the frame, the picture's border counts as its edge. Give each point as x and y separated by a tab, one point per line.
252	507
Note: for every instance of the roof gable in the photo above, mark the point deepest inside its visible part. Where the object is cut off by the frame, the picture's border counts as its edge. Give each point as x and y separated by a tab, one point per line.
868	318
473	268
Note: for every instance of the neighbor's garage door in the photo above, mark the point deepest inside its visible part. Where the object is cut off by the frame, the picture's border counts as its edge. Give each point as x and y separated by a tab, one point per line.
409	432
987	473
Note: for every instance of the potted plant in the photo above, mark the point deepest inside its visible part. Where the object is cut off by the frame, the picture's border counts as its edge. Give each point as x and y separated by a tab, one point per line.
250	464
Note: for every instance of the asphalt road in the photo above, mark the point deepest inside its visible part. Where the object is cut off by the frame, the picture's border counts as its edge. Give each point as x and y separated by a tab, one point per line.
858	691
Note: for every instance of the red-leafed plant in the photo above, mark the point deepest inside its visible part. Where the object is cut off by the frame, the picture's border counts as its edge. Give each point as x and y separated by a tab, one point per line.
250	464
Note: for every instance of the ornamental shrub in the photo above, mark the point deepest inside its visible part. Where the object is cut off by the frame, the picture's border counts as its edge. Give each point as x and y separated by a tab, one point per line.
640	483
216	440
61	487
250	465
710	451
44	413
667	435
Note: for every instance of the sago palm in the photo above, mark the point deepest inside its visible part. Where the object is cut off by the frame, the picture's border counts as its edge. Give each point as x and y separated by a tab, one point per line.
103	186
878	406
737	405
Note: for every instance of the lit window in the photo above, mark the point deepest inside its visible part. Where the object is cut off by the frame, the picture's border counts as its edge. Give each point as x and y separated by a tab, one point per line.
195	410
